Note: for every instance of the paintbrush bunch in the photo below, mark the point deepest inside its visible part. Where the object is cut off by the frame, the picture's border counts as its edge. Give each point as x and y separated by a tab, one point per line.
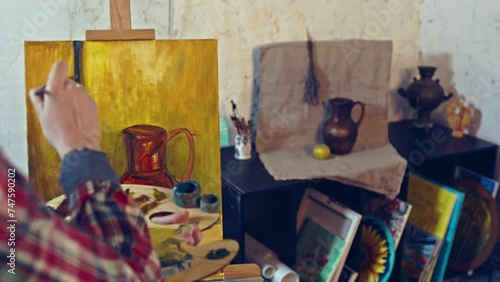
242	127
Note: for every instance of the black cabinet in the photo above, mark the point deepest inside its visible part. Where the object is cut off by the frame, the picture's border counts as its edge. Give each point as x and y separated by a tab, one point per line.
255	203
436	153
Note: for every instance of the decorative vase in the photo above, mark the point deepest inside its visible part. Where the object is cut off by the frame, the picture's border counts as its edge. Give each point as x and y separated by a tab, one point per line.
425	95
340	131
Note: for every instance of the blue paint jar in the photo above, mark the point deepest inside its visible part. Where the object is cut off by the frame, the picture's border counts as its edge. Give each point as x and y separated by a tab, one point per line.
210	203
187	194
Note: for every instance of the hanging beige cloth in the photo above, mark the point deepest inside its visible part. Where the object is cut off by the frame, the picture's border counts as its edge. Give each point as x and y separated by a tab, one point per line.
287	128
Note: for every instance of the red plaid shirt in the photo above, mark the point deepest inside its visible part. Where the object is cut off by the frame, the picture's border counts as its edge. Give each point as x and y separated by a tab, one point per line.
106	239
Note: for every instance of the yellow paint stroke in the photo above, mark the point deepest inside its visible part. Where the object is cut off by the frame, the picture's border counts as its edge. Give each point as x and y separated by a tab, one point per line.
43	160
170	83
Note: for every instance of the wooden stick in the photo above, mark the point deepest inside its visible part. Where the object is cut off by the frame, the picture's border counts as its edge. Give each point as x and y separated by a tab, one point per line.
242	271
120	14
121	25
131	34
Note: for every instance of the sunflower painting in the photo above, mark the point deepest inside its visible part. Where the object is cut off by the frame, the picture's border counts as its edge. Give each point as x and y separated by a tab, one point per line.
376	252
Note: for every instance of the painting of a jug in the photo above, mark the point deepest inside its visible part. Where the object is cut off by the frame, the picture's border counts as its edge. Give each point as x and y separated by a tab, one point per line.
136	83
146	147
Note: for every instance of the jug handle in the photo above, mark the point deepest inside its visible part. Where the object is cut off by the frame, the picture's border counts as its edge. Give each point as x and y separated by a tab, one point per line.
403	93
446	98
190	164
362	105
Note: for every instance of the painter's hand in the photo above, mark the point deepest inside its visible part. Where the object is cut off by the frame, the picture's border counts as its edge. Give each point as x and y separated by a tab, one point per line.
192	235
67	113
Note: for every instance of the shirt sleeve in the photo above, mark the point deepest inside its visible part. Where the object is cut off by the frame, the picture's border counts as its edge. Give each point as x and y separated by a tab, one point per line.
106	240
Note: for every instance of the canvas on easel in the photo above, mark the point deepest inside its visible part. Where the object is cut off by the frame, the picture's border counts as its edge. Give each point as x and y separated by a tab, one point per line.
171	85
135	80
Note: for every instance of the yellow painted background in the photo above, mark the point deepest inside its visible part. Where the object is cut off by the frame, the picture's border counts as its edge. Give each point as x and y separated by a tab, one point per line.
169	83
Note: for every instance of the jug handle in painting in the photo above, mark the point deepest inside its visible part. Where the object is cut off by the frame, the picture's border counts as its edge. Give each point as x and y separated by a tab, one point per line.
190	164
362	105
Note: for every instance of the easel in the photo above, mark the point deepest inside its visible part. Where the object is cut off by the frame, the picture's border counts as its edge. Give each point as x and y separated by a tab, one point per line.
121	25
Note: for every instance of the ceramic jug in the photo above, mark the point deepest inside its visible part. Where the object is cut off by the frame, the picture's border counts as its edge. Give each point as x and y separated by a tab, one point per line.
340	131
146	147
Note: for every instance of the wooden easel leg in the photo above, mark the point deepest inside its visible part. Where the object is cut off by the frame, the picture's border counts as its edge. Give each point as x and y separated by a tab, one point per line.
121	25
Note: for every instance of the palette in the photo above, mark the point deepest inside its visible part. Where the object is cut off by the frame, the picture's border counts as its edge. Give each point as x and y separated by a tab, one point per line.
203	219
199	263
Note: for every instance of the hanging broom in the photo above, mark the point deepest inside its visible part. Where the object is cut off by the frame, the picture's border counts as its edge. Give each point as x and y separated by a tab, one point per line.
311	88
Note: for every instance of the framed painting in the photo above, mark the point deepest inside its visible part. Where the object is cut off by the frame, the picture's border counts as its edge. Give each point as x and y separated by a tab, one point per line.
326	230
318	252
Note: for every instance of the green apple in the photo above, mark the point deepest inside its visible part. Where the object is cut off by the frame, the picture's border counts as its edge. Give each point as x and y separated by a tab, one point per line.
321	152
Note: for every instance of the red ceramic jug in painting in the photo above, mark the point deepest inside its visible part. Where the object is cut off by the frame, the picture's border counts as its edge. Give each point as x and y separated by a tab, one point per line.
146	147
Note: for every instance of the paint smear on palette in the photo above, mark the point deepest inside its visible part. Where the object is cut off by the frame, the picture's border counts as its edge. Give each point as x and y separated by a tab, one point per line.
173	258
202	261
217	254
170	83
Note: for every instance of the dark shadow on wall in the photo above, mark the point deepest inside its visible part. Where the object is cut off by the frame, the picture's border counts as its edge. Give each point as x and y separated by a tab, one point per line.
401	103
256	52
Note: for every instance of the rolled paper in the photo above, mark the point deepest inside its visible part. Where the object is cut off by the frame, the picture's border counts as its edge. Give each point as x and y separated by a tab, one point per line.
210	203
271	267
268	271
187	194
256	252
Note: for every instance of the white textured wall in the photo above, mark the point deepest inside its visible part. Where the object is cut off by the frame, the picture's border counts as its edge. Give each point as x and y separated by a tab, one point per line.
239	25
464	43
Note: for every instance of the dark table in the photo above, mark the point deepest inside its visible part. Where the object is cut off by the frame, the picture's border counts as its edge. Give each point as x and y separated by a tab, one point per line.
253	202
436	153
